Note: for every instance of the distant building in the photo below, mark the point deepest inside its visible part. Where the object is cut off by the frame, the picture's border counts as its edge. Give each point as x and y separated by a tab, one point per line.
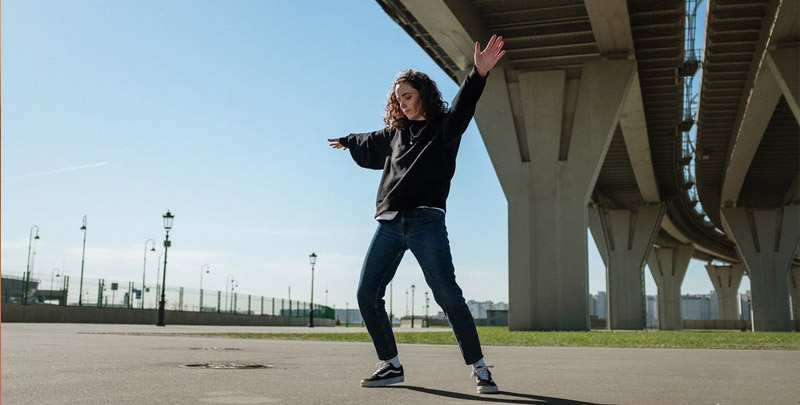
652	312
351	316
478	309
597	306
745	303
700	306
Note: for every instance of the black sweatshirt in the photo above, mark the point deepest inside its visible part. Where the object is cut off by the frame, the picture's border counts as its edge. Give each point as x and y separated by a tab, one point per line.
417	172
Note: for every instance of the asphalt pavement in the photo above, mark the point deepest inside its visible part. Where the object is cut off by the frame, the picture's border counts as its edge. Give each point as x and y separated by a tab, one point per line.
142	364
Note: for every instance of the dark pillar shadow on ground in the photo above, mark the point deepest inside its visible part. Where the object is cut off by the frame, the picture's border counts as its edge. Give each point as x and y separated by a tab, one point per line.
496	398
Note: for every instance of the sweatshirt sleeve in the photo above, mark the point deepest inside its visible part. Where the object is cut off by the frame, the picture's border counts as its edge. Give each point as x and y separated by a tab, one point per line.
463	106
369	149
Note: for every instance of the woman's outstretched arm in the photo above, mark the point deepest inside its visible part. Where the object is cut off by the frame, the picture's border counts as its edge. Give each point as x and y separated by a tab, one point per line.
368	150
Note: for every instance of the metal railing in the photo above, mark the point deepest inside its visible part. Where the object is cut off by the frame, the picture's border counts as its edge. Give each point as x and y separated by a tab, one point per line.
687	127
107	293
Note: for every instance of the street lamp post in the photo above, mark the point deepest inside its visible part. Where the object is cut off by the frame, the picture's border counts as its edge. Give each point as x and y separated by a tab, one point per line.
205	266
412	304
391	303
227	302
52	272
427	322
83	259
313	259
152	249
27	278
167	226
347	314
234	283
158	276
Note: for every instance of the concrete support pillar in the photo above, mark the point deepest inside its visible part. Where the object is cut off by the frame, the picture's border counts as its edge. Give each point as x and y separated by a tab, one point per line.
568	125
668	265
794	289
766	240
626	236
726	280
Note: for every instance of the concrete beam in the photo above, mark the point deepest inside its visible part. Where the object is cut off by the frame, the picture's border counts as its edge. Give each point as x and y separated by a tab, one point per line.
766	241
726	281
612	32
627	237
763	100
668	266
611	26
760	96
634	130
785	68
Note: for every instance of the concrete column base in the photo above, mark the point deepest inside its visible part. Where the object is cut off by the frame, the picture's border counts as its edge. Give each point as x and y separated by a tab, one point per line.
568	126
668	266
627	236
766	240
726	281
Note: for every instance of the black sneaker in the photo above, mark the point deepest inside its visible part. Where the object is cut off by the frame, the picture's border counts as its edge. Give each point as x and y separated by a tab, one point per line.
484	379
386	374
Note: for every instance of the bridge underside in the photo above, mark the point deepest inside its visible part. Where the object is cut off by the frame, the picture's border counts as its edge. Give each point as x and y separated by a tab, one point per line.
583	122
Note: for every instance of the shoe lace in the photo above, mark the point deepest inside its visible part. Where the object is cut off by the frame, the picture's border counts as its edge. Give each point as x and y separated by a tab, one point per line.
382	365
481	372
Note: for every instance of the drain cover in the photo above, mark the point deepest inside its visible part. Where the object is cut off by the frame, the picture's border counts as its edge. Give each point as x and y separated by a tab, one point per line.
227	366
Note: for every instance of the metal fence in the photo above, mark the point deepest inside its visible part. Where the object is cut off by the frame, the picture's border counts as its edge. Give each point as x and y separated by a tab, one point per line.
104	293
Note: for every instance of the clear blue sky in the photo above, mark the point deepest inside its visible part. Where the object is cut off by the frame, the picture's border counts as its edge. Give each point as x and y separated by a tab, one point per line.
219	111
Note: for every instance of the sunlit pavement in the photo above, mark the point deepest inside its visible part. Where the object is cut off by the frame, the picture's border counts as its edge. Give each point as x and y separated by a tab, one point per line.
126	364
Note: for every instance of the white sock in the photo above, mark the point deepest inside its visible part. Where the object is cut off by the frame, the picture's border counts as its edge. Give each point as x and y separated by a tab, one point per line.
395	361
478	364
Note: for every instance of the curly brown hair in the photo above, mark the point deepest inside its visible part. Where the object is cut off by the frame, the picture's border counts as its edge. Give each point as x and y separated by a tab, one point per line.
432	103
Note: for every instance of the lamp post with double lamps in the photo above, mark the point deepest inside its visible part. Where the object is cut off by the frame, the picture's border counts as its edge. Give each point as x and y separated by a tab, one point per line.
53	273
227	301
152	249
203	267
412	304
313	259
83	259
167	226
27	278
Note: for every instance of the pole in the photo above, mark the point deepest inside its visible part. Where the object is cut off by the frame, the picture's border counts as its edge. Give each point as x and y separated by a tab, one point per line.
158	275
391	303
201	284
144	269
163	285
83	257
27	278
412	305
311	311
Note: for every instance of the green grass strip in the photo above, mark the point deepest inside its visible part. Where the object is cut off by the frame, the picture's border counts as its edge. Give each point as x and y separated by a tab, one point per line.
500	336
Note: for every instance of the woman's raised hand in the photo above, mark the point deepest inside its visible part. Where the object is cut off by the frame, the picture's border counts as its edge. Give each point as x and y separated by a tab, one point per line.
336	144
486	59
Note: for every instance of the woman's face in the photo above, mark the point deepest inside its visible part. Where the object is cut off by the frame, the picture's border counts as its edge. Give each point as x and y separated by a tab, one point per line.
410	101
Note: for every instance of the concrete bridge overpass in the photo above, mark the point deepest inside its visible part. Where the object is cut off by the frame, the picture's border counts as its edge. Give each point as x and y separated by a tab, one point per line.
587	122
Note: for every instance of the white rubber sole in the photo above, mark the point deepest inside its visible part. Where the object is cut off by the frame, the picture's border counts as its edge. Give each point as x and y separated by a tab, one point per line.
382	383
487	390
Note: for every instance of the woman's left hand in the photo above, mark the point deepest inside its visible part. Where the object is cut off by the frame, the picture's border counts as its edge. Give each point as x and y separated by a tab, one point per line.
486	59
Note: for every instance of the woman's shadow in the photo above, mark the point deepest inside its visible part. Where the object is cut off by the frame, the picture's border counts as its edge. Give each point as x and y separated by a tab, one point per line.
496	398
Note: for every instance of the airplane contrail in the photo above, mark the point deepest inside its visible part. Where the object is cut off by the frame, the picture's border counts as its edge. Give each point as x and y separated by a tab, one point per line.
68	169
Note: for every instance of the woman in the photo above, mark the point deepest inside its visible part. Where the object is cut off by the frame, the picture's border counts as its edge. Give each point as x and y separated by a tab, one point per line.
417	153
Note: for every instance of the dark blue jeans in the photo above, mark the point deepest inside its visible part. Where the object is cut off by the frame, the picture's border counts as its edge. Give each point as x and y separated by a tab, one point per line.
423	231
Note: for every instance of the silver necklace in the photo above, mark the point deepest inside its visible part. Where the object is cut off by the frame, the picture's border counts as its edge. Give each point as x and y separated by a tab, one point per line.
412	136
